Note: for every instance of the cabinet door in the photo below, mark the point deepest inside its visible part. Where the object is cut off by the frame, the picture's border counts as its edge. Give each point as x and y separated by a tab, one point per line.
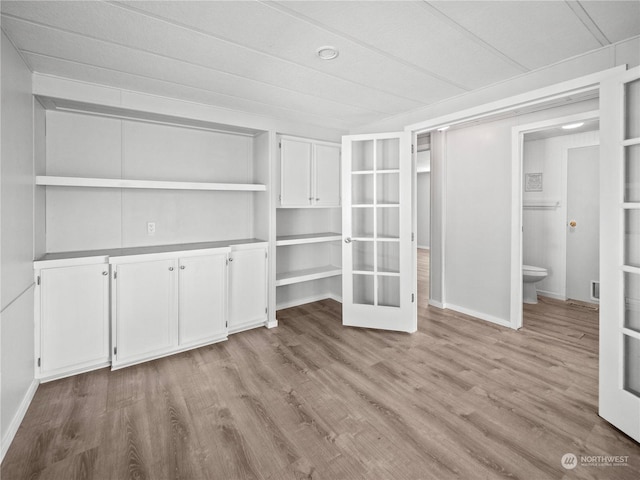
74	329
247	288
145	310
202	311
326	175
295	175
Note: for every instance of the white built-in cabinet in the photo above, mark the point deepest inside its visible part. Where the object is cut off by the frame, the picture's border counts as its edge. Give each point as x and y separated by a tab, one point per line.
72	319
247	287
172	215
308	221
202	299
165	305
309	173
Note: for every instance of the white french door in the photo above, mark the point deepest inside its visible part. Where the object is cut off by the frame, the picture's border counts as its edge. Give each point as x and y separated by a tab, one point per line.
378	288
619	401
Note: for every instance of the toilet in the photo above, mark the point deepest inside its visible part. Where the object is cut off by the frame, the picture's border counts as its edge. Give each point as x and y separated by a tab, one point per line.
531	275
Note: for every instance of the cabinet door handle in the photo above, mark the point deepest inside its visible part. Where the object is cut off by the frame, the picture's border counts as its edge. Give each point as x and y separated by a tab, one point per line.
105	273
317	199
230	259
182	267
171	269
347	240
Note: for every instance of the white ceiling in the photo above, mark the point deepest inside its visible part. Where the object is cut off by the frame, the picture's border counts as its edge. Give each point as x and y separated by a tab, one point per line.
259	57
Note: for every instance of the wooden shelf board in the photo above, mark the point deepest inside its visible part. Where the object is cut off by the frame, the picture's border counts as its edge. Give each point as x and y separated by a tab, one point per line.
307	238
297	276
157	184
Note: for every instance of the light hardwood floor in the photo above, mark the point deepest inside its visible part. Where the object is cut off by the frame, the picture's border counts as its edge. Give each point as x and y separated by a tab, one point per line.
461	398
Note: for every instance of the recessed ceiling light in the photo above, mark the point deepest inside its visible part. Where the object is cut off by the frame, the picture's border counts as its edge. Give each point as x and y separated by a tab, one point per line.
327	52
442	129
571	126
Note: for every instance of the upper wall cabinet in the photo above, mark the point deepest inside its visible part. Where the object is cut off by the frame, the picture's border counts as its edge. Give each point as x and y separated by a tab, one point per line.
309	173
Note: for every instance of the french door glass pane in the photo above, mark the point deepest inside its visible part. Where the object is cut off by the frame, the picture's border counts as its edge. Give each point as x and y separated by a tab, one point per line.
363	256
632	237
388	220
632	301
388	188
632	112
388	154
362	222
388	257
632	173
362	189
362	155
632	365
388	291
363	289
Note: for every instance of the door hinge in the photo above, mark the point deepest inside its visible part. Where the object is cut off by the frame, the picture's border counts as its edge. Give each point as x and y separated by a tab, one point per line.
39	362
227	261
266	309
38	280
412	236
413	298
279	144
280	198
226	324
115	274
412	151
266	254
115	350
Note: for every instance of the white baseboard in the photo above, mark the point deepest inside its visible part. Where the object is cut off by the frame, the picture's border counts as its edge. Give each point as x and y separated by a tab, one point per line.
302	301
553	295
435	303
18	417
272	324
335	297
481	316
424	247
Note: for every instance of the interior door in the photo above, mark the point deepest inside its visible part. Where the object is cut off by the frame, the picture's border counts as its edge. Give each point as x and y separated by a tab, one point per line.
377	281
583	221
619	400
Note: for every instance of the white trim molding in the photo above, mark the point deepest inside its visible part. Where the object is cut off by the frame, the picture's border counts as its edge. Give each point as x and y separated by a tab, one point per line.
18	417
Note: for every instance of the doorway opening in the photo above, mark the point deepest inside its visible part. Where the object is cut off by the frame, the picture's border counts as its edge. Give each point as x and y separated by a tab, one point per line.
561	216
423	215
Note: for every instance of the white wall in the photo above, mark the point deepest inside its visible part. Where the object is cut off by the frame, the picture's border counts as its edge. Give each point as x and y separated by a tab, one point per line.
16	243
88	146
478	213
544	229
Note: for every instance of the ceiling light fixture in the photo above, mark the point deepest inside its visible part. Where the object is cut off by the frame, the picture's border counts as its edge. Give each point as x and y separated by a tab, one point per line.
442	129
571	126
327	52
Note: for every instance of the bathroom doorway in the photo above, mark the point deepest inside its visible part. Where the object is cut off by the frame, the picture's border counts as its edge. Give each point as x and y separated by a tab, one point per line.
560	215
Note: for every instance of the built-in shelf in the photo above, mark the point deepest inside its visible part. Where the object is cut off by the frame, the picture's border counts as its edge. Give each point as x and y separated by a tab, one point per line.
540	204
307	238
297	276
368	172
157	184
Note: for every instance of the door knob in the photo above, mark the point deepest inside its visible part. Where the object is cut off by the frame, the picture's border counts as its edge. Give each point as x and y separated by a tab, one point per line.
182	267
573	223
171	269
347	240
105	273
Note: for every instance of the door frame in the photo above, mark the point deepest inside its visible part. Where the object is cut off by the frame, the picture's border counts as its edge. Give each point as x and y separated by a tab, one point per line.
517	178
533	100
